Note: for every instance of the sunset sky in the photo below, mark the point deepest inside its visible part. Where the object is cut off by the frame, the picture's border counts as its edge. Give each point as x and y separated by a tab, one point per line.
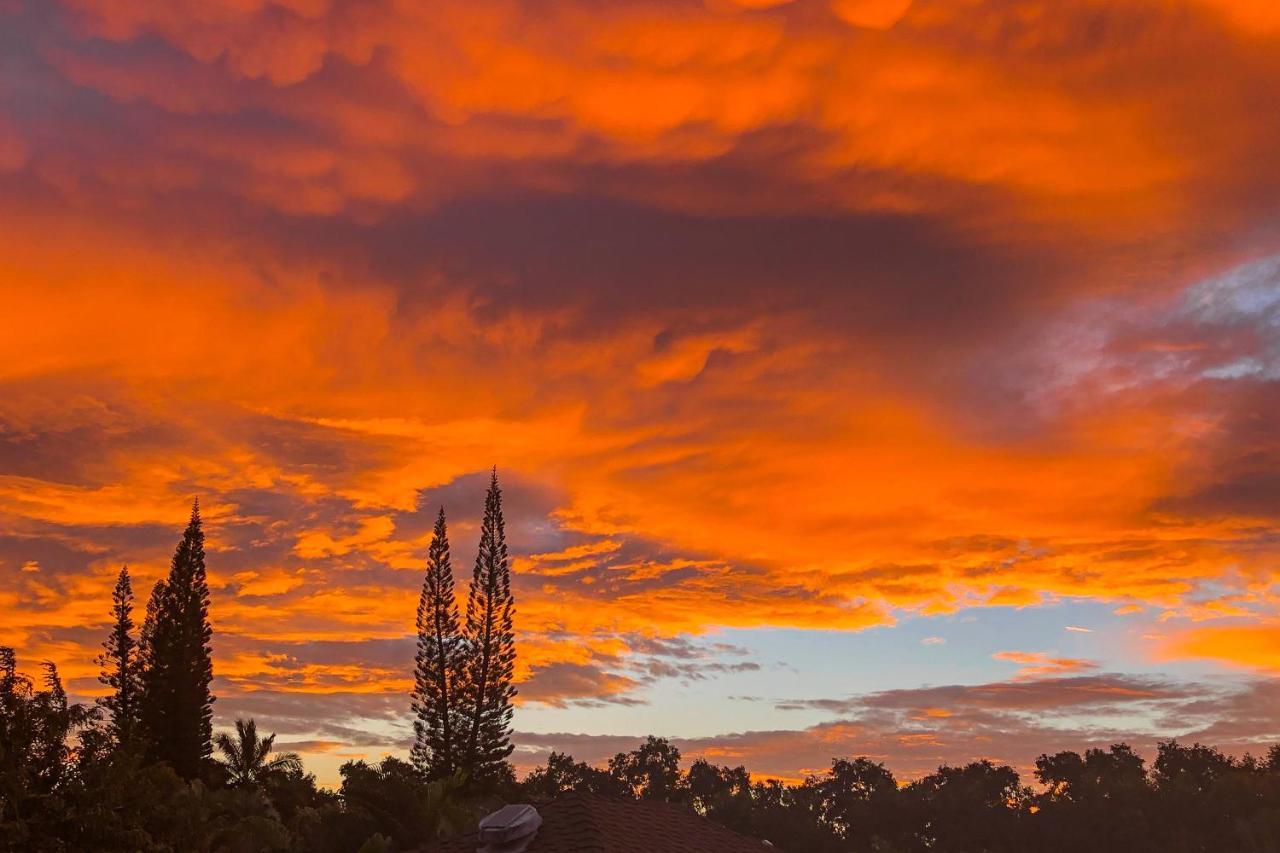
865	377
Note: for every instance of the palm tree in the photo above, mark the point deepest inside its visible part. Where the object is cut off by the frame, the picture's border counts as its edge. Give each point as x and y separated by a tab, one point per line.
247	755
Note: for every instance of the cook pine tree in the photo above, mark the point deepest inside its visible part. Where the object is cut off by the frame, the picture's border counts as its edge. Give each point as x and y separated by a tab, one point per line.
121	664
491	651
440	725
177	705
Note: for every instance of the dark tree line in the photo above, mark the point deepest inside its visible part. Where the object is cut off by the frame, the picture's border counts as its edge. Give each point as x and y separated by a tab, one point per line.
137	771
68	786
1193	799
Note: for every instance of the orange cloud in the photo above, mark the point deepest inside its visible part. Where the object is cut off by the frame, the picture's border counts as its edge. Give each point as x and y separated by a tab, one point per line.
1011	722
1252	646
875	14
1257	17
639	83
1040	664
802	315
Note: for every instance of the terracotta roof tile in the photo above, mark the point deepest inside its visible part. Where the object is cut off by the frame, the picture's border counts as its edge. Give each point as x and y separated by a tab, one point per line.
579	823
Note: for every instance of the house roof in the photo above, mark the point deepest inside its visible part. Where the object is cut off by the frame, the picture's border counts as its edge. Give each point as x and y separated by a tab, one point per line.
581	823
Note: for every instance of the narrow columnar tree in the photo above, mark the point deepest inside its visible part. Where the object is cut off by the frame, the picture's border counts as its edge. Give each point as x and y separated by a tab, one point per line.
153	698
491	651
122	664
439	726
146	640
177	704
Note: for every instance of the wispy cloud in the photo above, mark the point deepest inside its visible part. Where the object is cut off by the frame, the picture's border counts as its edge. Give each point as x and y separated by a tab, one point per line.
1040	664
915	730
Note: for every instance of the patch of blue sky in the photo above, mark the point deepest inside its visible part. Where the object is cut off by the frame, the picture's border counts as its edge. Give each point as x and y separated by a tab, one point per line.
802	664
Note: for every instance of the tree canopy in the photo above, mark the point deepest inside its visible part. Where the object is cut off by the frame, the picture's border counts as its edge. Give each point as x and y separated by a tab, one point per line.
134	771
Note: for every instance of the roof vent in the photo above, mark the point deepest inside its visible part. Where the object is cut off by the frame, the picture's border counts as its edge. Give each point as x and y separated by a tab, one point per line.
510	829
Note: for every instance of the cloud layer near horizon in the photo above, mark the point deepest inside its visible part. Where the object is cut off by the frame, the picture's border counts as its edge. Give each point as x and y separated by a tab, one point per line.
793	314
915	731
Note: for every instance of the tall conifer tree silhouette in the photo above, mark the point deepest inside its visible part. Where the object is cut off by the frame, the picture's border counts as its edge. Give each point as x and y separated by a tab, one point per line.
121	663
178	706
439	726
154	649
146	639
491	651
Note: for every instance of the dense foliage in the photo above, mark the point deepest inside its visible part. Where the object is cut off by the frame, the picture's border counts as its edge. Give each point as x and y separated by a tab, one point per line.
138	771
1194	799
66	784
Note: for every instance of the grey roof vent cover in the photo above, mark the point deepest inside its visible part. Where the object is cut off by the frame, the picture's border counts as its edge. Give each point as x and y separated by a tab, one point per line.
509	830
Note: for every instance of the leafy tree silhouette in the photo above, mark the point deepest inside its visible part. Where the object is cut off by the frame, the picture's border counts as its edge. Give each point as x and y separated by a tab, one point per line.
651	772
248	759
